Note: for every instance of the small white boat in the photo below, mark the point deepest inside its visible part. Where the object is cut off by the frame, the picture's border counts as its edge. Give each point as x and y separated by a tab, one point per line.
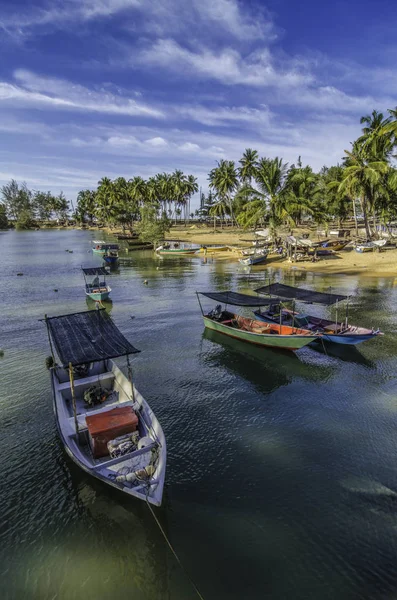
104	423
370	246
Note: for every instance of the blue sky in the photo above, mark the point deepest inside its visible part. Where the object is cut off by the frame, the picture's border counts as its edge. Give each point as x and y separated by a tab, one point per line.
92	88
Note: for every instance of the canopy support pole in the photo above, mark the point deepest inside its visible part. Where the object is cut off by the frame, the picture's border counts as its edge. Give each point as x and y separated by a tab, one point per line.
49	339
281	316
71	378
347	314
130	377
293	312
336	317
201	308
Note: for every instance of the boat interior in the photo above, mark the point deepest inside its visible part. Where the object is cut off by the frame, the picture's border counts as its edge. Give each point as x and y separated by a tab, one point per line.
311	323
96	287
116	389
252	325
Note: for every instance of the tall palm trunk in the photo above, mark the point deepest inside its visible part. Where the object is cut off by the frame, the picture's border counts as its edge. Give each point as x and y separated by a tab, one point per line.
365	215
355	215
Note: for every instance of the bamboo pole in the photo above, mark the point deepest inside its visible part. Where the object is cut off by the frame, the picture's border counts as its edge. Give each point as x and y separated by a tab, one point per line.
49	339
130	377
71	378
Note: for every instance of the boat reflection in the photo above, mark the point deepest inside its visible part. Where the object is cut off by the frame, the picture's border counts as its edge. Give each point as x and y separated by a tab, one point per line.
345	353
106	304
266	368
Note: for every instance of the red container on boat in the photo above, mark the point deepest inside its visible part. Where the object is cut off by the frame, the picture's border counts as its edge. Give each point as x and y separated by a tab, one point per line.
106	426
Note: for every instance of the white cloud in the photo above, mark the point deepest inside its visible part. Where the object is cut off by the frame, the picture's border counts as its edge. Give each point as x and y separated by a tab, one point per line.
226	66
156	142
189	147
224	115
58	94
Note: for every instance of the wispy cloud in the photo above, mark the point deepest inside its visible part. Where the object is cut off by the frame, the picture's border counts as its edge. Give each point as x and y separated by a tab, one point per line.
226	66
57	94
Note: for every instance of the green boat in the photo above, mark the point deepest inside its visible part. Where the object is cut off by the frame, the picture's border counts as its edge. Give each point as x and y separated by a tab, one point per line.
269	335
176	251
103	248
97	289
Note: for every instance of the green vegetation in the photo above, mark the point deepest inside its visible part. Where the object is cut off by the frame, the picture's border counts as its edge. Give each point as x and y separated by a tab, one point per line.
259	191
268	191
125	203
24	207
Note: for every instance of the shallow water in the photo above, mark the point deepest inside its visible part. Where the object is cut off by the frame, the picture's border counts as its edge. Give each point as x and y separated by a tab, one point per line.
281	476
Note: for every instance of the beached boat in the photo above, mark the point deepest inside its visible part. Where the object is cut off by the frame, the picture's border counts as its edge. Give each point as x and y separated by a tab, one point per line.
209	249
249	330
257	258
96	289
339	332
104	423
371	246
176	251
335	245
100	247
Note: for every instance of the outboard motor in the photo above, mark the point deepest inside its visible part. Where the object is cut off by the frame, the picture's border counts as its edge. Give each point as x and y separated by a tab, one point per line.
216	313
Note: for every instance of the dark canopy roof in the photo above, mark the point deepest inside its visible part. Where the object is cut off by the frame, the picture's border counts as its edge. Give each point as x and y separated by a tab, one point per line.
239	299
86	337
293	293
94	271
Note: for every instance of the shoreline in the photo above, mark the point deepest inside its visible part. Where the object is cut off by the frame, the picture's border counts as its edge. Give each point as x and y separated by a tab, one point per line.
346	262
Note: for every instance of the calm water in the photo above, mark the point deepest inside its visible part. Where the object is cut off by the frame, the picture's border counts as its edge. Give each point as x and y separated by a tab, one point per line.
282	470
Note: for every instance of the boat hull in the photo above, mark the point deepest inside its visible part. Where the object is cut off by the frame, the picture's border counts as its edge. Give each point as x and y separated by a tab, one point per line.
282	342
98	296
68	440
176	252
347	338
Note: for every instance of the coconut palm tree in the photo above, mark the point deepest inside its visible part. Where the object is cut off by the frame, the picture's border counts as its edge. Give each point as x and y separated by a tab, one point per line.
364	179
248	166
223	179
106	200
219	209
271	177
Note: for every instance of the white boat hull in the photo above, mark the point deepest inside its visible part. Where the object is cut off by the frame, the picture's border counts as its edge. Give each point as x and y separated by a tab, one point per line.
106	469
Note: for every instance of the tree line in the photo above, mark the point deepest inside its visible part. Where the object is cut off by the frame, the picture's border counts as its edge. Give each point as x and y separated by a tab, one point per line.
268	190
24	207
257	191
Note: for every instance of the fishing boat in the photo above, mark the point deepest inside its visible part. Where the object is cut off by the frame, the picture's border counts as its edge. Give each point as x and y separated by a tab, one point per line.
257	258
96	289
370	246
106	426
111	255
210	249
335	245
339	332
100	247
175	251
249	330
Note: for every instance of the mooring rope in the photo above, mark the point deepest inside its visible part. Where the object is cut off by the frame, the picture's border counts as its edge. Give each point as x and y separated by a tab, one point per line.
194	586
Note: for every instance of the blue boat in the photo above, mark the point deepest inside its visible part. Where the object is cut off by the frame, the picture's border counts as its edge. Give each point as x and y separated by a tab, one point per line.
97	289
112	255
339	332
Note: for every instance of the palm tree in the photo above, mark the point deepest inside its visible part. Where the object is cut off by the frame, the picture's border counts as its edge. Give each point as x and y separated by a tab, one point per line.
364	178
249	165
376	139
271	179
223	179
106	200
302	195
219	209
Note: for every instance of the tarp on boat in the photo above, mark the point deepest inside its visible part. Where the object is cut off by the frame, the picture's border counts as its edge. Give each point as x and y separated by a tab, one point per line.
85	337
236	299
94	271
292	293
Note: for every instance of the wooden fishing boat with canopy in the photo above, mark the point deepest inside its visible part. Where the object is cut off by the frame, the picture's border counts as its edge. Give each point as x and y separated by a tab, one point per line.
339	332
104	423
249	330
97	289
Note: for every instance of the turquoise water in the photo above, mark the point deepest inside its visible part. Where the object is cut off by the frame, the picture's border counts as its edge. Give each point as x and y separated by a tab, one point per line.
281	476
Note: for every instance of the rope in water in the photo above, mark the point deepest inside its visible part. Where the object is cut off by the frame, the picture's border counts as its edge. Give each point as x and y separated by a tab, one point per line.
194	586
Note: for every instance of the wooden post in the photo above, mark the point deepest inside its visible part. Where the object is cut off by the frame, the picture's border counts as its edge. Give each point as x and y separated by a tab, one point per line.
71	378
293	313
281	316
130	377
49	339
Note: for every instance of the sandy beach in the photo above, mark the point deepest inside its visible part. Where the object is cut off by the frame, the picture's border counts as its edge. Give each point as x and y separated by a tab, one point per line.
348	261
